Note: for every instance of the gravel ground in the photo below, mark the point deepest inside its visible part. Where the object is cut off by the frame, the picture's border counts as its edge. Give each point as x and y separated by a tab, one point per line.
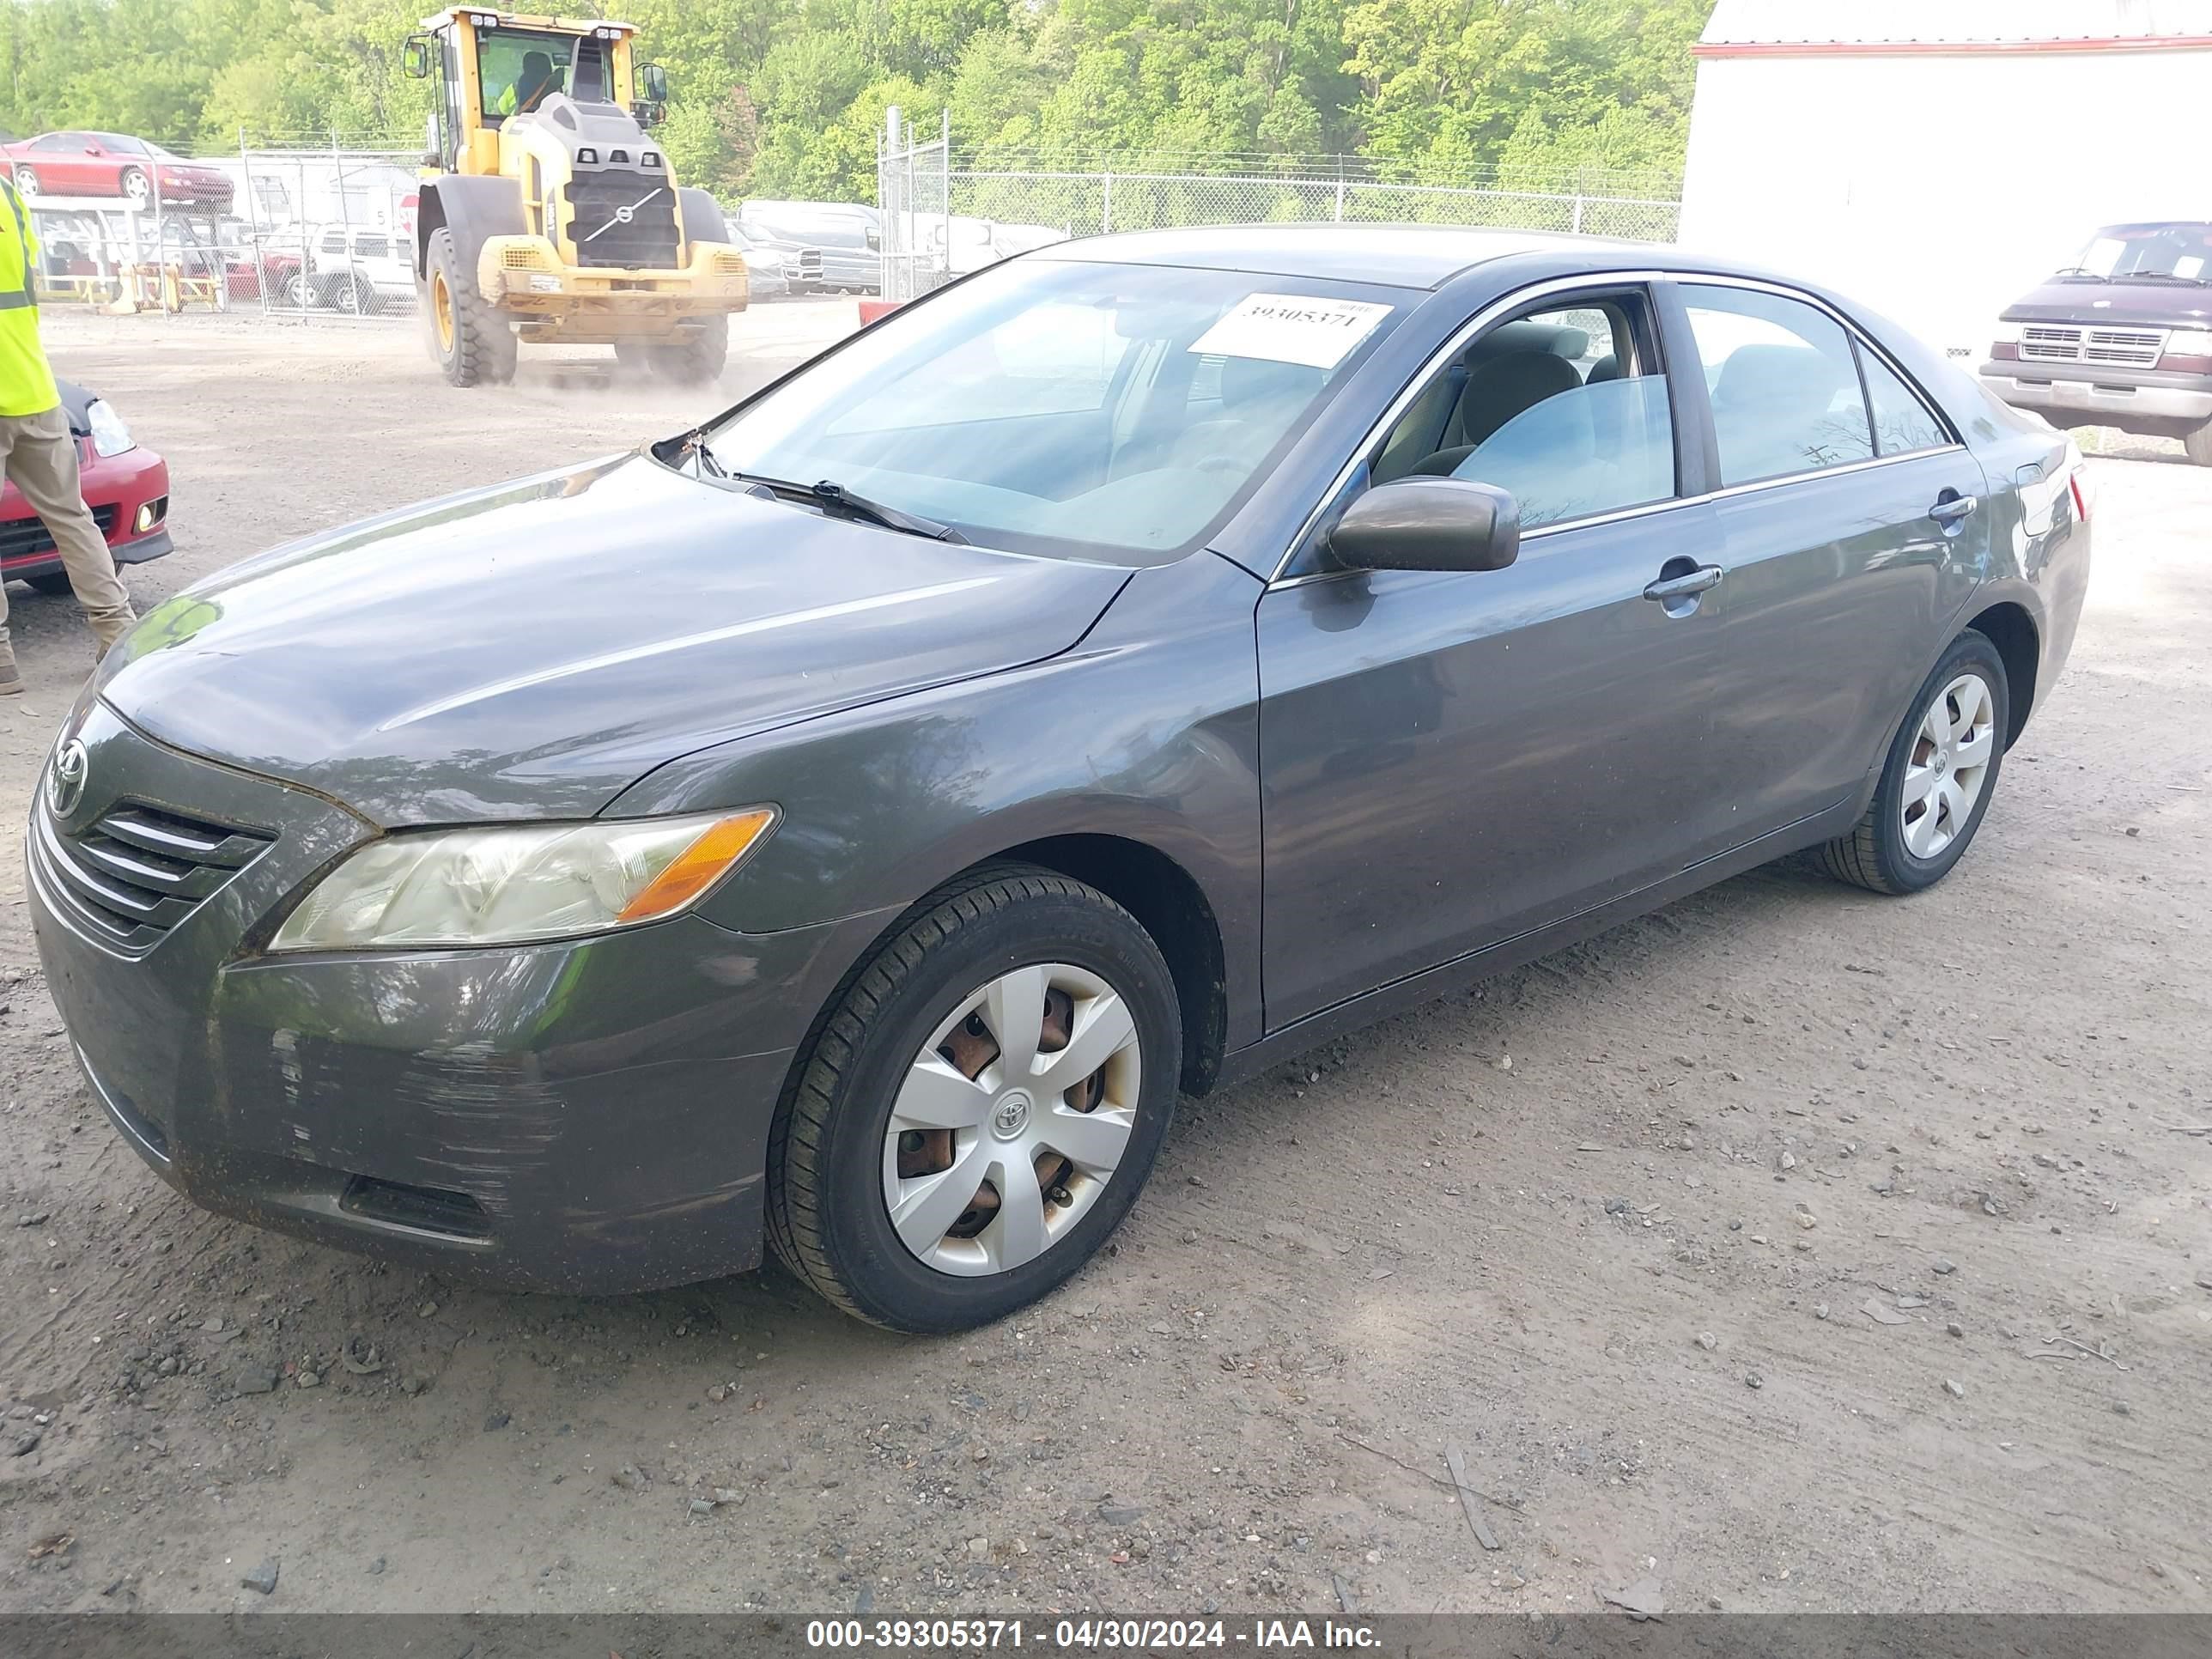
1796	1248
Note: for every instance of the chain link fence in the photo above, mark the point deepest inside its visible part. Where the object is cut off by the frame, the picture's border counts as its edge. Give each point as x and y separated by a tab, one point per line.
1085	203
942	220
300	229
328	231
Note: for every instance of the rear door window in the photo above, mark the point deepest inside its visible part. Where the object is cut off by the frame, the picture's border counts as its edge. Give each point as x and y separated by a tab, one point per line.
1902	422
1784	382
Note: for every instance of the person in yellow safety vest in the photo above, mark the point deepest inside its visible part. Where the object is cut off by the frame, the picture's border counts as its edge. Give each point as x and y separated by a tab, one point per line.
38	451
530	87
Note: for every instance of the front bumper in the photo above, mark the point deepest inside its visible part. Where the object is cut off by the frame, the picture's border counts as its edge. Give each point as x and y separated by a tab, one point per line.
587	1116
2159	404
117	488
523	275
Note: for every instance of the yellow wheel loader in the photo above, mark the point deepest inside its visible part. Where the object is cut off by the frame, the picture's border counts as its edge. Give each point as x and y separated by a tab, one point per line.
548	213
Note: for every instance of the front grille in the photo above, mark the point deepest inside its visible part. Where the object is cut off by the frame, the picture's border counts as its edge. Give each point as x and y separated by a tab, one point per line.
808	267
647	239
138	870
2126	348
29	538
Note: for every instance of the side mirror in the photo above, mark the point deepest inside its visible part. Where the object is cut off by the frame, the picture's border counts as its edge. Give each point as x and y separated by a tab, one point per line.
415	57
652	83
1429	524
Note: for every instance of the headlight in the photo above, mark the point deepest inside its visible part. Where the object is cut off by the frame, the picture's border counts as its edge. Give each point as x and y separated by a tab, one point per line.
2007	332
512	883
109	435
2190	342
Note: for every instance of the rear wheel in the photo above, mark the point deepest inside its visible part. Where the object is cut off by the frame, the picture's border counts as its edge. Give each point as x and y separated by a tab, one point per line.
978	1110
1941	771
2199	445
472	343
696	356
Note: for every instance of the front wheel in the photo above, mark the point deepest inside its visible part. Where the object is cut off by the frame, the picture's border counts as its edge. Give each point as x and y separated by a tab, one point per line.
980	1108
473	344
2197	445
137	189
696	356
1936	783
27	181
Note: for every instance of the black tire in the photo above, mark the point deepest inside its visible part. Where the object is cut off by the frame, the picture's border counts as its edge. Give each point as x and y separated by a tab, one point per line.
1875	855
698	358
478	349
828	1219
56	582
27	181
144	195
350	294
2197	445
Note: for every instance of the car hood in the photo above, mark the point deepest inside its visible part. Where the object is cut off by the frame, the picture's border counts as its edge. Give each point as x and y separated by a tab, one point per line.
531	650
2123	303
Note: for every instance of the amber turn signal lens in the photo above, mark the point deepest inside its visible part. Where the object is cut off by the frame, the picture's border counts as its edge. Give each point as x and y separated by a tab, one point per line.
699	865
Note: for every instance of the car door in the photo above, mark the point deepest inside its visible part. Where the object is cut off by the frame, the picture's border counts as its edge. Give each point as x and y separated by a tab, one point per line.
1853	531
62	167
1449	759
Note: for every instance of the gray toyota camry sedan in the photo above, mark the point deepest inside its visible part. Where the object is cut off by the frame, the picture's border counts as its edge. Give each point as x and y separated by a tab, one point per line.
853	822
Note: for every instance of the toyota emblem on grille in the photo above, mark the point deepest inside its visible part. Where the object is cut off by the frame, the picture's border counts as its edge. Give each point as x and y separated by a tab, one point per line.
65	778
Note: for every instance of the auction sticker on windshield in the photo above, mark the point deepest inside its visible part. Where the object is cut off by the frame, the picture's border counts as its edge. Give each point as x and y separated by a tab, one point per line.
1291	328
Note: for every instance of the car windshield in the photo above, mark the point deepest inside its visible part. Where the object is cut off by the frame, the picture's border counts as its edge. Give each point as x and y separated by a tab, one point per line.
2120	252
1117	412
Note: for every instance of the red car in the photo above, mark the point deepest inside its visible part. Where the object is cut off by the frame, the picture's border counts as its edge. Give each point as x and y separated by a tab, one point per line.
114	164
126	485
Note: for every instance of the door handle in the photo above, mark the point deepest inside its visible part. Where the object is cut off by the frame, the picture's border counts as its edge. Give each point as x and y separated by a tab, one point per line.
1953	509
1670	588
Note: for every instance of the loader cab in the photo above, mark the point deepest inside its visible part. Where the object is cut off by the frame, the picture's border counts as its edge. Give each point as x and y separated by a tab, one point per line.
492	66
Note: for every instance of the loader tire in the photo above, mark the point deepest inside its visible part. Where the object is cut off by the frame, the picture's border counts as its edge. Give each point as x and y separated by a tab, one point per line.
473	344
698	357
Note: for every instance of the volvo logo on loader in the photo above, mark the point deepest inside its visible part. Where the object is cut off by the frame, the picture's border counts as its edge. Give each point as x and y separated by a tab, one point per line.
524	102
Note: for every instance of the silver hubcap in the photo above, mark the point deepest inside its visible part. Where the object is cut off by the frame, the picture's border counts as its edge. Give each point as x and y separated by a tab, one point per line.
1949	765
1012	1120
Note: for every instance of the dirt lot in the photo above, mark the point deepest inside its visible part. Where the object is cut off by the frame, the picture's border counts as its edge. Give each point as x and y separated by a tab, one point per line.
1611	1226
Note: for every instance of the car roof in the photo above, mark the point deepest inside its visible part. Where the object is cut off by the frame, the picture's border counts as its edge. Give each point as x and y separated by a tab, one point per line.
2154	226
1400	256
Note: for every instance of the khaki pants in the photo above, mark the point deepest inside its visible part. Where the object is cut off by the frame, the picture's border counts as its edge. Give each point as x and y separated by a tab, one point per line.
39	454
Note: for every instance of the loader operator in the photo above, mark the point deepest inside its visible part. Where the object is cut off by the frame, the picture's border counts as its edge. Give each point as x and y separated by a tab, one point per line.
38	451
530	87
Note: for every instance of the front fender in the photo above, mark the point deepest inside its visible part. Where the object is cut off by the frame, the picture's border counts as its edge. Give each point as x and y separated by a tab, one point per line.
1146	730
475	208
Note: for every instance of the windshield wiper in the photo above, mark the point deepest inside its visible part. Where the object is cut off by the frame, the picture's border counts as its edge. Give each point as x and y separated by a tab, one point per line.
2158	276
828	493
833	497
2082	273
